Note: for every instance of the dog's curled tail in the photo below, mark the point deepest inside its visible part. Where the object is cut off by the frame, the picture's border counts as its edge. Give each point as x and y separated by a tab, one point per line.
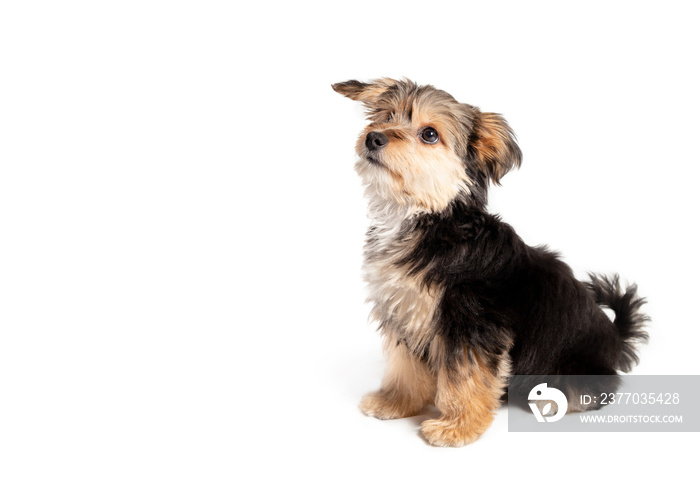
628	319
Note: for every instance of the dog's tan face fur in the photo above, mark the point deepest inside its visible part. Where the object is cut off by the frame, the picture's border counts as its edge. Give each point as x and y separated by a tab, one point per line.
415	175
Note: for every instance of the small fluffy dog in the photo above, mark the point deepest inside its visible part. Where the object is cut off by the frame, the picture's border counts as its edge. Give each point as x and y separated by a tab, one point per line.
461	301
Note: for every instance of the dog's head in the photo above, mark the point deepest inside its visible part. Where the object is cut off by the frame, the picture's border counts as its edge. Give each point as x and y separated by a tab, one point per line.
423	149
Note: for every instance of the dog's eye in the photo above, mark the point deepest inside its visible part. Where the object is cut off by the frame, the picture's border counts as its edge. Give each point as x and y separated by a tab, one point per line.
390	117
430	136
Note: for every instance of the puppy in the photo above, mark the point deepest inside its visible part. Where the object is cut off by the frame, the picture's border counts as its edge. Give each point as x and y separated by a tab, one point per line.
461	300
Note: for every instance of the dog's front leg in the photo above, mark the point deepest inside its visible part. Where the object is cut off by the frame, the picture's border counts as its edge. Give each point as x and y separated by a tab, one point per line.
406	388
468	393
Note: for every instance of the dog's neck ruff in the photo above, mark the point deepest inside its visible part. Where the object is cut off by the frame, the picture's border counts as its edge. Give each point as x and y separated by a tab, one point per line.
386	210
387	213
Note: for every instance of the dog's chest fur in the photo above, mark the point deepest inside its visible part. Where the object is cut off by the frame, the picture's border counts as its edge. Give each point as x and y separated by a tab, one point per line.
405	309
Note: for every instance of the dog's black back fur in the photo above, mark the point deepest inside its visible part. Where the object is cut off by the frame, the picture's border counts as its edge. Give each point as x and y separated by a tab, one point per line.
501	293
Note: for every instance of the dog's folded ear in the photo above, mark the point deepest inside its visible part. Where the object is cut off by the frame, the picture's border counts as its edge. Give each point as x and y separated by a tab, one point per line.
367	93
493	145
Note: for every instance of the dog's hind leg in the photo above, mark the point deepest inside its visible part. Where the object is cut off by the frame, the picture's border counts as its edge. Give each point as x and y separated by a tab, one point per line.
590	392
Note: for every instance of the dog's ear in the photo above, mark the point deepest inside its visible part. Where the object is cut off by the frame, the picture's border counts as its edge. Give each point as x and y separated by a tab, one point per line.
367	93
493	145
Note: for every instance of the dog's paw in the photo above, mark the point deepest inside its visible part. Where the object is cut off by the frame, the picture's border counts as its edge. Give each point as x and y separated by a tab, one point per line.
448	433
384	407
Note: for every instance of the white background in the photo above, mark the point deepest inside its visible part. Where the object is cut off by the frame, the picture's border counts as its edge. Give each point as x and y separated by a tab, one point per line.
181	231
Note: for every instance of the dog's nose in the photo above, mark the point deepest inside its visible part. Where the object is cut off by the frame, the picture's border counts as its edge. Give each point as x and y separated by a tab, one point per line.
375	140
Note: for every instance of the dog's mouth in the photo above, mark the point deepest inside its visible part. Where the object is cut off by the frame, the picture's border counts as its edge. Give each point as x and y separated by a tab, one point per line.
373	161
